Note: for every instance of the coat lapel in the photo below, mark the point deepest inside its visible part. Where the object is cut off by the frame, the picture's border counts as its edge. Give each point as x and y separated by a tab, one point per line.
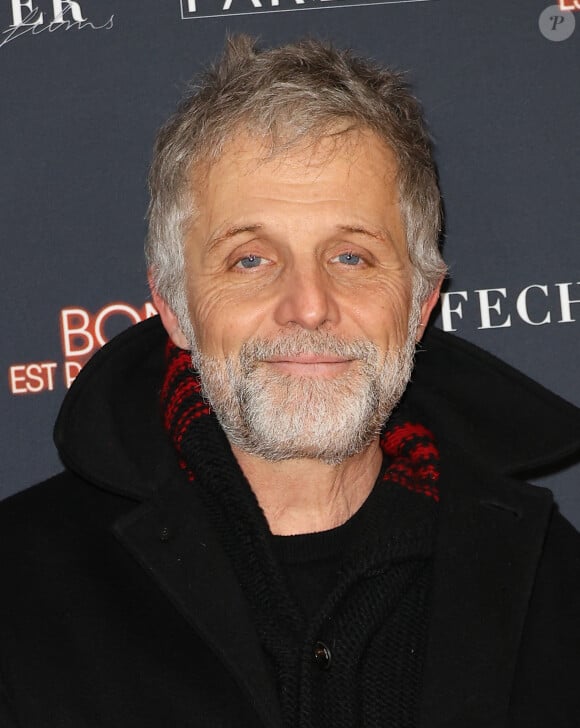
490	540
171	538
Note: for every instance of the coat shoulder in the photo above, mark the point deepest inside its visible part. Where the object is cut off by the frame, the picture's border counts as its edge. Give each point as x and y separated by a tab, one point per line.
64	499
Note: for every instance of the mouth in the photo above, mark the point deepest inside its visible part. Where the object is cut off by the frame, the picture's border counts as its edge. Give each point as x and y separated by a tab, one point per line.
310	365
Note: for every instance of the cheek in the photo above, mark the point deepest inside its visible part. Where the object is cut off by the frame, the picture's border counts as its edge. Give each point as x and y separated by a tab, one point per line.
383	312
222	321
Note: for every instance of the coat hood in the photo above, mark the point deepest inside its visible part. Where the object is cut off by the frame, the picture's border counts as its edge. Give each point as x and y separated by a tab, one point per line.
109	430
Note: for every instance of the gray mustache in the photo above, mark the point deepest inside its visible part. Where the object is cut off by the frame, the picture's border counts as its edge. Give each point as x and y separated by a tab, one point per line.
305	342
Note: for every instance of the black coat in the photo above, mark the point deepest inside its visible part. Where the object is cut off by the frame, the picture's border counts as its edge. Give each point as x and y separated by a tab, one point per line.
119	607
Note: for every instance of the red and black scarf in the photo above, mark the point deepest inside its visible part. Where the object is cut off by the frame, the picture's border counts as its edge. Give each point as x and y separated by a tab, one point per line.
409	446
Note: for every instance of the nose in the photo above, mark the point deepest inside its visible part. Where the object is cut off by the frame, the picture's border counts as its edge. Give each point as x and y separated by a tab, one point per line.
305	298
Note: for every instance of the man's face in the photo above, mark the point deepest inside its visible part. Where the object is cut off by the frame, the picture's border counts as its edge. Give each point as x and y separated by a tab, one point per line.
299	289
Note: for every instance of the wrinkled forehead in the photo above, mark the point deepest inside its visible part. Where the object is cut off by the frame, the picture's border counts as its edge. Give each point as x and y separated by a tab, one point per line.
247	151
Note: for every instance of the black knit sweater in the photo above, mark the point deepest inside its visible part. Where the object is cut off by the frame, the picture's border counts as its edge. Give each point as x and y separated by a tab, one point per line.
355	658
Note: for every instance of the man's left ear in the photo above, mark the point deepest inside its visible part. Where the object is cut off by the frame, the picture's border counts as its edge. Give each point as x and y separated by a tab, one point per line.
426	308
168	319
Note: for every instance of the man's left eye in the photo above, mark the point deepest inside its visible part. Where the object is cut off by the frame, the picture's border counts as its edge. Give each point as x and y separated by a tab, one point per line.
348	259
250	261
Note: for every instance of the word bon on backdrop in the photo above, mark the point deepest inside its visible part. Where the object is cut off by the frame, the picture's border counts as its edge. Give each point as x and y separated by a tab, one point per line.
81	334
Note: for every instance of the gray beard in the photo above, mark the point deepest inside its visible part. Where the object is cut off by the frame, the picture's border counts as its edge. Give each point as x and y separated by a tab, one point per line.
279	416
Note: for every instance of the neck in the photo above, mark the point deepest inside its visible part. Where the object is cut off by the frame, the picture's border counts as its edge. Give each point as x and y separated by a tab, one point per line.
306	496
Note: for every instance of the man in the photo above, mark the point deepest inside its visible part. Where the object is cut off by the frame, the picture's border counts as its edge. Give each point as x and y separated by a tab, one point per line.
288	533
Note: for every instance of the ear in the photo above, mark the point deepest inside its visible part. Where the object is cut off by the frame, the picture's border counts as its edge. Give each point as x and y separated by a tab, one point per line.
427	307
168	319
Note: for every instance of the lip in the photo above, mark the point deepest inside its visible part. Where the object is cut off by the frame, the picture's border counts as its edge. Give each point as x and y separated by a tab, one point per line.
310	365
308	359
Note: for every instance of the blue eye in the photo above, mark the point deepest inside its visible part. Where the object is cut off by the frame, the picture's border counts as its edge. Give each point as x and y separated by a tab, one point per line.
349	259
250	261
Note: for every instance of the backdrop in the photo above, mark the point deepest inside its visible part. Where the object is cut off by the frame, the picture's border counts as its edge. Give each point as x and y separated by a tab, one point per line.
84	86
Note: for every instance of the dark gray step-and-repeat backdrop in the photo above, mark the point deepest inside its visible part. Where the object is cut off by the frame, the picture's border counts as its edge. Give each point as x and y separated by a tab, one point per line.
84	86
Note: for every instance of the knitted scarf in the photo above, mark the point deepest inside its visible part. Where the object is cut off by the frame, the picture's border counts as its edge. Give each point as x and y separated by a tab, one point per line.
375	618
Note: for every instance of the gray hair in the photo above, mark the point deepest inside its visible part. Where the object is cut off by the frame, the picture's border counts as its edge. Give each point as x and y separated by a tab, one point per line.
288	95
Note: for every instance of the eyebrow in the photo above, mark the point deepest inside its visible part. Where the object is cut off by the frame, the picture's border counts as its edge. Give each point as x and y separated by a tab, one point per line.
231	232
381	234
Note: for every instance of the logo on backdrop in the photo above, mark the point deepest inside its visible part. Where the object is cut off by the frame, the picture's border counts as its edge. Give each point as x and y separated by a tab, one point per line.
538	304
557	22
83	332
31	17
569	4
191	9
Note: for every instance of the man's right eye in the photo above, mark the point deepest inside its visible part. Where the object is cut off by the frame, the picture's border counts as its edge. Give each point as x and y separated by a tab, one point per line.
249	261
